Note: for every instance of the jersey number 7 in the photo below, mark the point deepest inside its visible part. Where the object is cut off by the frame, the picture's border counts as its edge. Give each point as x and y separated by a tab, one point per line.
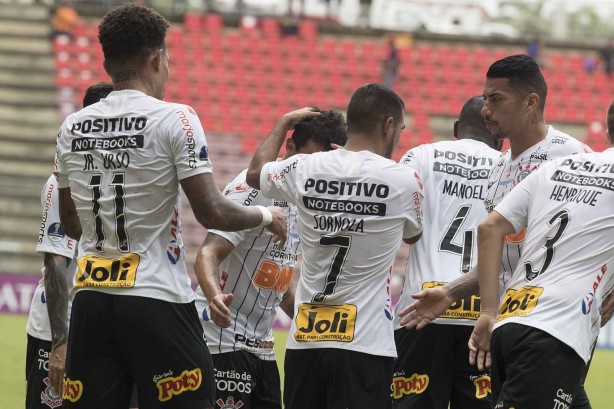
343	242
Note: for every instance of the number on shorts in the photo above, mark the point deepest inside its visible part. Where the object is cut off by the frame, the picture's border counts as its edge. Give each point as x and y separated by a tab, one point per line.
343	242
118	182
563	216
465	248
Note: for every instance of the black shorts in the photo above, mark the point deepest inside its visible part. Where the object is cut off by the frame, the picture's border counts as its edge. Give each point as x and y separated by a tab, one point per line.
330	378
118	340
532	369
39	393
433	370
241	377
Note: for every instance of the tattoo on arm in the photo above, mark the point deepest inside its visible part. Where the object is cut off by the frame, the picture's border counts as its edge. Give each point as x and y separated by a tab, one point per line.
57	293
464	286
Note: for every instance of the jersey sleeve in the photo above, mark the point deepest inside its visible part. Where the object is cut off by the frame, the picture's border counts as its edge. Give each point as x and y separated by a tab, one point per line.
240	193
515	206
413	206
415	158
58	163
188	143
51	235
278	179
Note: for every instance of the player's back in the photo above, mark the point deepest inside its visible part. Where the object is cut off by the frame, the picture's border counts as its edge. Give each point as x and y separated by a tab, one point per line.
123	158
354	209
454	175
566	266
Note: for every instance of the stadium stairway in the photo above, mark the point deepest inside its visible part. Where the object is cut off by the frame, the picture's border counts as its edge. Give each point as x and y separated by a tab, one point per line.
28	124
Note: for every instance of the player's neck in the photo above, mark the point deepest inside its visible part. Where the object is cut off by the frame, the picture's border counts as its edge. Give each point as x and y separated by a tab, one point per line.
133	79
532	136
359	142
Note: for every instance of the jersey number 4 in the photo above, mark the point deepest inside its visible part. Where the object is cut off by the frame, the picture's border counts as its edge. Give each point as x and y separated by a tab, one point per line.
117	182
465	248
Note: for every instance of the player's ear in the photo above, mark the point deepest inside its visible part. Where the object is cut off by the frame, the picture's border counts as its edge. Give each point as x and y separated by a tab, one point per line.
290	147
155	59
533	102
389	124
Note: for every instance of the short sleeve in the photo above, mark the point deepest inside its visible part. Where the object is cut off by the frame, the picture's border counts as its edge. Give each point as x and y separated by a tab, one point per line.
188	143
515	206
415	158
413	206
278	180
51	235
58	163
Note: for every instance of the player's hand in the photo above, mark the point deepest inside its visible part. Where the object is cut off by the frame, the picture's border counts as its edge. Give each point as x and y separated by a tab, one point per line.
429	304
479	342
291	119
218	307
57	360
607	308
279	225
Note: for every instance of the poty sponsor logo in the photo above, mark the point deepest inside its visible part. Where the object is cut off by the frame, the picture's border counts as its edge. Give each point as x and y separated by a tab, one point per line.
482	386
405	386
172	386
73	389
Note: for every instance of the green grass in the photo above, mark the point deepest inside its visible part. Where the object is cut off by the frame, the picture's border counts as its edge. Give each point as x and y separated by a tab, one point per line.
13	352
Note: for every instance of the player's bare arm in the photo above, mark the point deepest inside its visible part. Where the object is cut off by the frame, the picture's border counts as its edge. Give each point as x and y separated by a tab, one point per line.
57	294
287	302
269	148
413	240
211	254
214	211
607	308
432	302
491	234
68	214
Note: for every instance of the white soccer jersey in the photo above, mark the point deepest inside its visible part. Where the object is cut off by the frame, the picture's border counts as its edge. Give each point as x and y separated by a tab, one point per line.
51	239
454	175
507	173
258	273
123	158
566	265
354	209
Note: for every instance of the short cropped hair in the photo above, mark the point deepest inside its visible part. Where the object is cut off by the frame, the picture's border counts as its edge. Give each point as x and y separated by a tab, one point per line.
523	74
610	119
371	104
96	92
324	129
131	32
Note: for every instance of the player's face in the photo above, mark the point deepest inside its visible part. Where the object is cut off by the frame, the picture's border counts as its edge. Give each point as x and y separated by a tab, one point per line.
503	111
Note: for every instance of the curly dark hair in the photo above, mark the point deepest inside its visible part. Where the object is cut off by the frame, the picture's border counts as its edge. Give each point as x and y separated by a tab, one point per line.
96	92
324	129
130	32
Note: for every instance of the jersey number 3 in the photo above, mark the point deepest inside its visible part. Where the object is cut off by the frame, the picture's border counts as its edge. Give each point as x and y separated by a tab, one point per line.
563	216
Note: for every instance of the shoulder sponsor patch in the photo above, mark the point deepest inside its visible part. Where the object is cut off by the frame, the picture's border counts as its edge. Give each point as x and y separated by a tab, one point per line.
55	232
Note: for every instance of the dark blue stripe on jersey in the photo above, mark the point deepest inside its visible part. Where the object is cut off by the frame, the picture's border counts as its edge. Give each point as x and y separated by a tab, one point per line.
249	284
